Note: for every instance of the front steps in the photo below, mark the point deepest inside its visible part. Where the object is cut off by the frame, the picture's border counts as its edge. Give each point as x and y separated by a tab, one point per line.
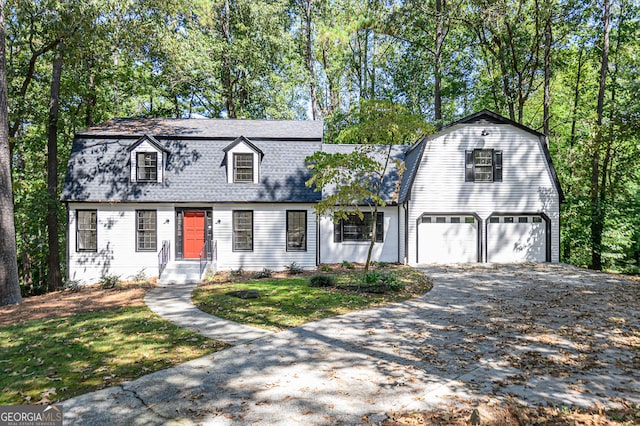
182	272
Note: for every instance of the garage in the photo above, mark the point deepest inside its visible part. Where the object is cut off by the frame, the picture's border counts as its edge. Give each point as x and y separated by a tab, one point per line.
448	238
517	238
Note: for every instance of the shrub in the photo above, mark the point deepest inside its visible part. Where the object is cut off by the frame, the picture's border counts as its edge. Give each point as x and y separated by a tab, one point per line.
390	280
322	281
325	268
293	268
372	277
209	276
140	276
236	272
109	281
347	265
265	273
381	282
72	285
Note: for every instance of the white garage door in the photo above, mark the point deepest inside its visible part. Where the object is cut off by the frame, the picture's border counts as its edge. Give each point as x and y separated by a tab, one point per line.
518	238
448	239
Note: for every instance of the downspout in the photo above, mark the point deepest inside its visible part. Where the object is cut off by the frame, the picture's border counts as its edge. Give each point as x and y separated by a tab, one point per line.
66	272
398	233
406	233
317	241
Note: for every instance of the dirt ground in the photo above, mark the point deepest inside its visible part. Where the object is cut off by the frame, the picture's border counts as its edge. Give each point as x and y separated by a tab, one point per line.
65	303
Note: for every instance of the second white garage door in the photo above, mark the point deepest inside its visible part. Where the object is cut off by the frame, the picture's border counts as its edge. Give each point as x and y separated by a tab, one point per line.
447	239
517	238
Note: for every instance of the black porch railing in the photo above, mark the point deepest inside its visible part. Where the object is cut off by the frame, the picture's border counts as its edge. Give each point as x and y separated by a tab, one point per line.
205	255
163	257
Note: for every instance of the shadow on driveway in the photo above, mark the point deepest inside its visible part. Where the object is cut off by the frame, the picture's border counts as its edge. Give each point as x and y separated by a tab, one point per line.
539	333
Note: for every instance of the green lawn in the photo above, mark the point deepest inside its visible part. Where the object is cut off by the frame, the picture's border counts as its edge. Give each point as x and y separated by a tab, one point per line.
55	359
290	302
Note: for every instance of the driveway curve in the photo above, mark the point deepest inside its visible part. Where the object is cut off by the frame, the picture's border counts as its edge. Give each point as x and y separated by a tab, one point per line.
537	333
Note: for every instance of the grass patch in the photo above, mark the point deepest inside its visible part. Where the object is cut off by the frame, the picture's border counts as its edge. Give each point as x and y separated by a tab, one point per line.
51	360
289	302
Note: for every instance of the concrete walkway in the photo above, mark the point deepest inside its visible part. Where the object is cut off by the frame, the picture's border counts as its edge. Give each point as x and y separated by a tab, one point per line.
537	334
173	303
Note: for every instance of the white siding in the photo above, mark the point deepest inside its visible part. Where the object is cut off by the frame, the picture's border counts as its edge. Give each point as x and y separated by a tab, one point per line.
269	237
145	146
116	249
527	184
116	252
386	251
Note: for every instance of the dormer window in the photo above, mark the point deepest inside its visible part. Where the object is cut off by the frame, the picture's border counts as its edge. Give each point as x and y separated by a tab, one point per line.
242	160
243	168
147	166
147	159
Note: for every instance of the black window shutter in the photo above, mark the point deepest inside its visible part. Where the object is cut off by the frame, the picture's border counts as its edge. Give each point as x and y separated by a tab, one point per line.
468	169
337	231
497	166
380	227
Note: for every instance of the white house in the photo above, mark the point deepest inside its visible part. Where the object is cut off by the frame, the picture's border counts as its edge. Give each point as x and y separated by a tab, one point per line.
177	196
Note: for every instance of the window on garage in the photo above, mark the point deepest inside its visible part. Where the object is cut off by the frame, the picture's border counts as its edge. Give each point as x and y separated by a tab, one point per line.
483	165
296	230
356	229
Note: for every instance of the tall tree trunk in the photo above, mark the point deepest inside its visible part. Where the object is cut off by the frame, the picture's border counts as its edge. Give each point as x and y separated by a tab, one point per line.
548	41
54	277
437	68
576	101
9	284
227	74
309	59
597	208
90	101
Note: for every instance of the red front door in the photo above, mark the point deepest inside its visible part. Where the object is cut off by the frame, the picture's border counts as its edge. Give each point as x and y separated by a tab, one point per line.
193	234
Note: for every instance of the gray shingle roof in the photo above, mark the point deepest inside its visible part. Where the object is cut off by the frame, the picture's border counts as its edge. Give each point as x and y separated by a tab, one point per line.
99	168
411	162
208	128
391	181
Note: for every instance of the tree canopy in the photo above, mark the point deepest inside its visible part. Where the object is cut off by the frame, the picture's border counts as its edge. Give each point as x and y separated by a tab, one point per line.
568	69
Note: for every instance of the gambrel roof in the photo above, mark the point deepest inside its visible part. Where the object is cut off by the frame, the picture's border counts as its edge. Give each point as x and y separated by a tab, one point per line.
414	154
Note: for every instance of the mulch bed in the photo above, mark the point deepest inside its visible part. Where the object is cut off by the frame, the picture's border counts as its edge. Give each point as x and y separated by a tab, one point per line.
65	303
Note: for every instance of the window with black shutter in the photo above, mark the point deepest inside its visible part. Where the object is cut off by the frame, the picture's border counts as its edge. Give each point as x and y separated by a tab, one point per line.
356	229
483	165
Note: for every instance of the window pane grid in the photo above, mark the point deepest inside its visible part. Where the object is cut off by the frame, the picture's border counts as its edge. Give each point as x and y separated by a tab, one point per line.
147	166
146	229
483	165
296	230
356	229
243	167
242	230
86	234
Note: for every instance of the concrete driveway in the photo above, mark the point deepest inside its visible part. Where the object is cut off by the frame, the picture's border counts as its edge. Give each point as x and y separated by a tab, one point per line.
545	334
